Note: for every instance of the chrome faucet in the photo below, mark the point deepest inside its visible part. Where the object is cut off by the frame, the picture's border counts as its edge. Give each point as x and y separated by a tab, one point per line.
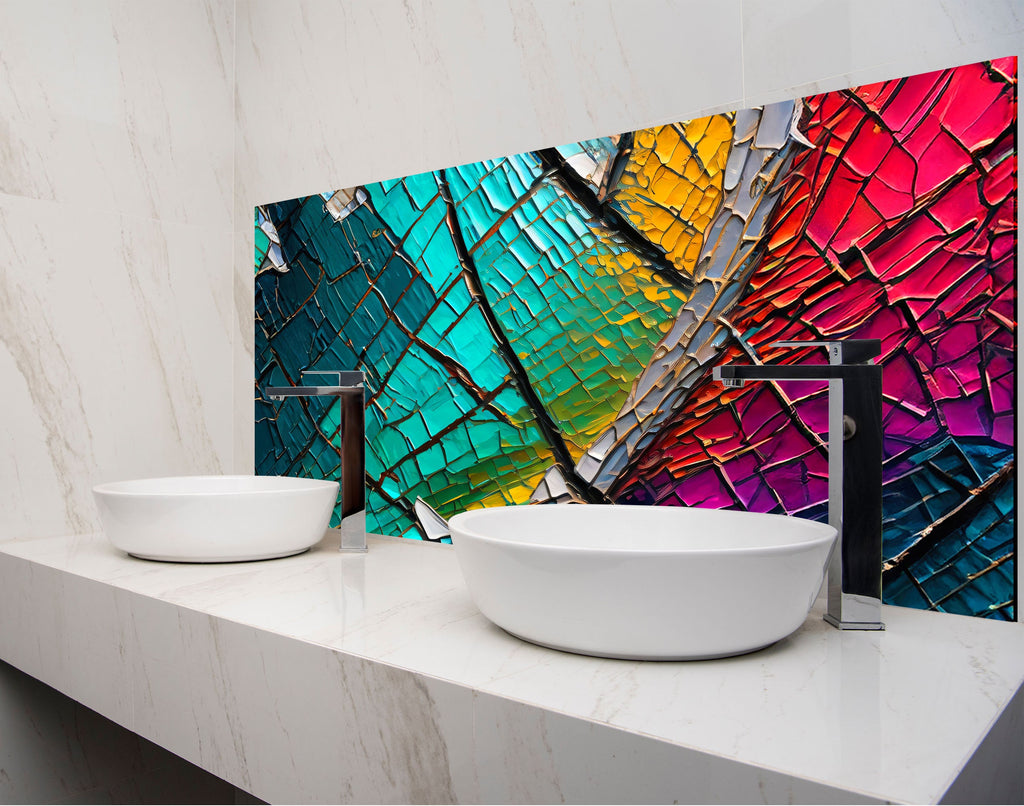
349	386
854	469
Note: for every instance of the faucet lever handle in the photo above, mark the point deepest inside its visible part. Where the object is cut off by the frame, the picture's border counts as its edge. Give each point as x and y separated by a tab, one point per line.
335	373
842	351
342	377
801	343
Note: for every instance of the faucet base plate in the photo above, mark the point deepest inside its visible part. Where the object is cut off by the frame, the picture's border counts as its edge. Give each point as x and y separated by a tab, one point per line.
853	625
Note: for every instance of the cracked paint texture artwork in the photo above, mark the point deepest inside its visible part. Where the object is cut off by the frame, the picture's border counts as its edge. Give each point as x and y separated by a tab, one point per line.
543	327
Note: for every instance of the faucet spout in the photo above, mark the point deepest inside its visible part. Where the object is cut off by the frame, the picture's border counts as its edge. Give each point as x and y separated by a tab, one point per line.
854	469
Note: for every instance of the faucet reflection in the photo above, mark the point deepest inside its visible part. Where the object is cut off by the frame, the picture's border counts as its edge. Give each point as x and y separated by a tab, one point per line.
854	469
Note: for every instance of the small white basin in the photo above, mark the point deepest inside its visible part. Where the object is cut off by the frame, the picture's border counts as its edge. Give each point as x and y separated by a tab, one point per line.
639	582
210	519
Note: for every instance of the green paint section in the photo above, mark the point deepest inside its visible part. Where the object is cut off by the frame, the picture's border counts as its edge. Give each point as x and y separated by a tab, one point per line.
580	310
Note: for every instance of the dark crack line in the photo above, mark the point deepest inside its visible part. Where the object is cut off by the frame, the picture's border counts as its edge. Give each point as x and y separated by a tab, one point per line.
521	200
932	534
471	275
616	168
400	503
455	369
609	218
435	438
926	200
999	77
971	578
685	142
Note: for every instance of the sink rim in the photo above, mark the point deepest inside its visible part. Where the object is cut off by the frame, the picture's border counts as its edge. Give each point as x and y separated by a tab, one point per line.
817	533
268	485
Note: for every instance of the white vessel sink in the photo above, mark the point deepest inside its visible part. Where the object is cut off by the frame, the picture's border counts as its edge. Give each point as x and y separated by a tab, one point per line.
210	519
646	583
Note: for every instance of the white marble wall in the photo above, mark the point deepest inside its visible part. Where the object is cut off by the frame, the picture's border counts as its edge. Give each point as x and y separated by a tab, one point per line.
332	94
116	314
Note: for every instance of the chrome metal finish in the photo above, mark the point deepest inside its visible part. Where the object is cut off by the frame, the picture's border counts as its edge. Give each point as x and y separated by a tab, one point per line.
349	386
353	533
854	469
346	381
281	392
334	372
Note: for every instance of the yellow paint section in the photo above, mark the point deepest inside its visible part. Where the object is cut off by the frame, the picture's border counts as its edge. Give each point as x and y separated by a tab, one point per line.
672	187
513	494
670	191
632	277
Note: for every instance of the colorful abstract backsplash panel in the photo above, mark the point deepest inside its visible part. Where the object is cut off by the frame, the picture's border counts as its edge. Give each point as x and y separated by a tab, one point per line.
543	327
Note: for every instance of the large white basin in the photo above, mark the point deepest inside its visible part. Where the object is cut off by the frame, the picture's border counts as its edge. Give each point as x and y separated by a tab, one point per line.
647	583
210	519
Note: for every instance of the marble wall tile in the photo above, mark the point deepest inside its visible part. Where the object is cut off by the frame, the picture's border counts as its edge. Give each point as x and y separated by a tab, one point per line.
331	95
115	339
115	216
810	46
119	106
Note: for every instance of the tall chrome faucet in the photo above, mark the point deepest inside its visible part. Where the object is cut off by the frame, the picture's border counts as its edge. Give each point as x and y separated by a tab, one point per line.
349	387
854	469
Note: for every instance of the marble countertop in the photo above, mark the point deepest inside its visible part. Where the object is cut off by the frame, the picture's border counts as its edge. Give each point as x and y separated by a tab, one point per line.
822	715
